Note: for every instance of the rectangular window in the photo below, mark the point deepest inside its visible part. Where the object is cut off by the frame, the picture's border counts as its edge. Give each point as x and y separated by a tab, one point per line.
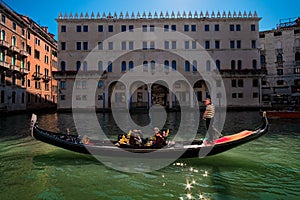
152	45
217	44
131	46
110	28
173	27
63	28
14	26
253	27
233	83
85	28
238	44
123	45
123	28
255	82
62	85
144	45
231	27
206	27
174	46
186	44
167	44
194	44
100	46
78	28
131	27
36	54
240	83
100	28
85	46
151	28
166	28
238	27
240	95
186	28
232	44
78	46
253	44
110	46
63	46
62	97
217	27
193	28
207	44
144	28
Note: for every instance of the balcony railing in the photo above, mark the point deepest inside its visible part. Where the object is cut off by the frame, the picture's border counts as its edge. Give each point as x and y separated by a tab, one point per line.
74	74
15	68
15	49
46	78
24	53
243	72
37	76
296	49
4	44
4	64
297	63
24	71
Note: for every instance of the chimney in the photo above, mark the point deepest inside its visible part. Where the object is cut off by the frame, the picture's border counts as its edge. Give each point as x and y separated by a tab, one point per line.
45	28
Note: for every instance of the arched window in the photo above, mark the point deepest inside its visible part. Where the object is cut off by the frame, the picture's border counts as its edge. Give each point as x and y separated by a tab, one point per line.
279	58
63	66
166	65
78	65
174	65
254	64
208	66
239	64
187	66
85	66
100	65
123	66
195	66
262	59
145	66
13	41
110	67
233	64
131	65
152	66
3	35
218	64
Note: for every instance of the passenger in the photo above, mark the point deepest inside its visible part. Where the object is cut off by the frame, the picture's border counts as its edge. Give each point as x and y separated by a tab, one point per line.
85	140
159	139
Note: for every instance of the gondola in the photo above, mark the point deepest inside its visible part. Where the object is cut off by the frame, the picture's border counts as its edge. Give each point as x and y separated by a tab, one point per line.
196	148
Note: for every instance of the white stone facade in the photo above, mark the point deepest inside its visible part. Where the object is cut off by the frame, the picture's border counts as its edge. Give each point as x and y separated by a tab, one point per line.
143	49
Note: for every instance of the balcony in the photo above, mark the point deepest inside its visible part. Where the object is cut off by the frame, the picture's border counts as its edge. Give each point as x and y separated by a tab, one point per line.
4	64
15	68
46	78
15	49
297	63
24	71
24	53
37	76
4	44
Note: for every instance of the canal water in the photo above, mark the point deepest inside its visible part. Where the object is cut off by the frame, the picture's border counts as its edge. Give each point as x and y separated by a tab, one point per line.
267	168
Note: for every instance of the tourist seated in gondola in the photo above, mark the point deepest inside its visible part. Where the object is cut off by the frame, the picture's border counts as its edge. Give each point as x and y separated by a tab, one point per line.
159	139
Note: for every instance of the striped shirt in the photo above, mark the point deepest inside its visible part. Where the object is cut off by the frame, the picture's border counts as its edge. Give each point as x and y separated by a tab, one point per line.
210	111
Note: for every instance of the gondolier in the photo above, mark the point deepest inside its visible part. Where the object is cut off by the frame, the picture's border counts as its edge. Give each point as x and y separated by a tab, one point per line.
208	116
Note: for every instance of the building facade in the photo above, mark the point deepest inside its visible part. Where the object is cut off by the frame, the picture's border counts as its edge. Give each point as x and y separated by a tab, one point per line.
223	46
25	47
280	56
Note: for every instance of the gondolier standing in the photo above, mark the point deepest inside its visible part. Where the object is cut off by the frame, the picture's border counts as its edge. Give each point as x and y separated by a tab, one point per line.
208	116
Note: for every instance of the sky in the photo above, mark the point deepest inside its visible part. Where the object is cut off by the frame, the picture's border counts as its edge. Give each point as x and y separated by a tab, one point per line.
45	12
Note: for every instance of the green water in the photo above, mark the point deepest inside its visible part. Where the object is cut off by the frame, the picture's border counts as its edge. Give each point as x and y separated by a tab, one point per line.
268	168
